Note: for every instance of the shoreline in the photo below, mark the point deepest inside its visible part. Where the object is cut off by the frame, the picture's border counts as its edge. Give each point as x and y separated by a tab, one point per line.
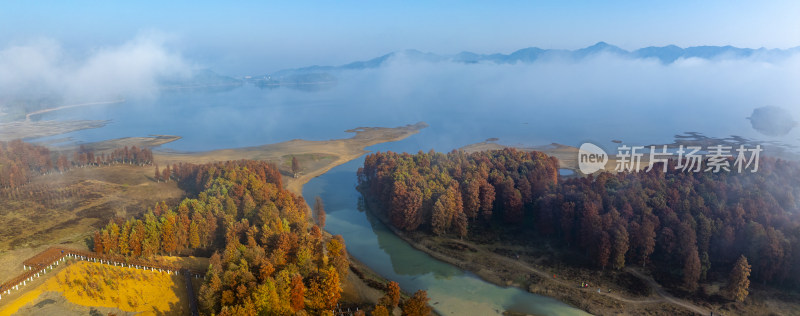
316	157
362	284
539	280
537	267
39	129
58	108
104	146
586	300
319	157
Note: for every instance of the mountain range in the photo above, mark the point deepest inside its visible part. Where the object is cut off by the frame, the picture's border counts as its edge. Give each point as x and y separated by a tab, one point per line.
665	54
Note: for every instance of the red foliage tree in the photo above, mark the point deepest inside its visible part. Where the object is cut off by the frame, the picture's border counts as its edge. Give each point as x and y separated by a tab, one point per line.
297	293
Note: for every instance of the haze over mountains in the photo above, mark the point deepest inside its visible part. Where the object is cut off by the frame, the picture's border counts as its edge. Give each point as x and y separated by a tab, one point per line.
666	55
147	65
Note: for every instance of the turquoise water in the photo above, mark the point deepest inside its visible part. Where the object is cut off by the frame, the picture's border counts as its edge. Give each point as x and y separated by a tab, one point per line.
451	290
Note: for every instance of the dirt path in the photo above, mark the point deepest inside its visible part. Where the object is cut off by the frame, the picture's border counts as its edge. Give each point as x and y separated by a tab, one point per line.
663	296
666	296
549	276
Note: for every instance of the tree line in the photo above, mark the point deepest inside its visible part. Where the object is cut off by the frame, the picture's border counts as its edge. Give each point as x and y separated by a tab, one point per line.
687	228
268	258
133	155
20	161
445	193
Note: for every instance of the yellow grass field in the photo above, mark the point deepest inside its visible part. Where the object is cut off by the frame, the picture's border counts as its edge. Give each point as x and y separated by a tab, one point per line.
23	300
127	289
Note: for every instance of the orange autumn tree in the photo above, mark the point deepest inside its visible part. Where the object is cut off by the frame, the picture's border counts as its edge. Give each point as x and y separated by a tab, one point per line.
169	242
392	296
268	258
337	255
331	288
688	226
417	305
20	161
297	293
380	310
98	242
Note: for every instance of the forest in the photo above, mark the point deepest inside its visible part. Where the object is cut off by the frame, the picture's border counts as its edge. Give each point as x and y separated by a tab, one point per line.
267	257
686	228
20	161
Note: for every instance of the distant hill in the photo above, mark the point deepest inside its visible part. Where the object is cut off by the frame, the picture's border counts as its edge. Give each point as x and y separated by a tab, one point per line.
301	80
666	55
200	79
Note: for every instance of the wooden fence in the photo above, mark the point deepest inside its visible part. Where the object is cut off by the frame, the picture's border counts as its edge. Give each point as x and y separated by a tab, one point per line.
46	260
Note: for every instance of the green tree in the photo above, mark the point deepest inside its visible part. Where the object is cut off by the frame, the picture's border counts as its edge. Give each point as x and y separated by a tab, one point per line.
152	238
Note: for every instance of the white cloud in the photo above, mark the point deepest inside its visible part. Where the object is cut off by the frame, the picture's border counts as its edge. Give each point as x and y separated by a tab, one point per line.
641	99
131	69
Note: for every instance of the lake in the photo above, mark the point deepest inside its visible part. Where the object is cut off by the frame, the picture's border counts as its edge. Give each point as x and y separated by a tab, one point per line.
516	104
461	111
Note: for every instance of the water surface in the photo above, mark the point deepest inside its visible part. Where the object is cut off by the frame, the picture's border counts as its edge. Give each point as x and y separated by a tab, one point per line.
451	290
462	107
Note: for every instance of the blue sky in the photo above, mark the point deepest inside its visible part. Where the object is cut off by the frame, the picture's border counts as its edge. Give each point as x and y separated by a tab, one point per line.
264	36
